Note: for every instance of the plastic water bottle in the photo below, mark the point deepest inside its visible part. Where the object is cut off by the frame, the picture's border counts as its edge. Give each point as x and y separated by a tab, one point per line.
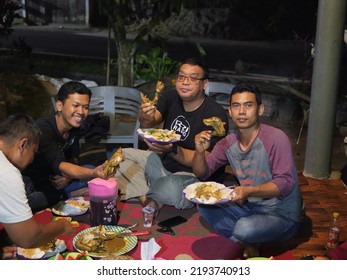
334	231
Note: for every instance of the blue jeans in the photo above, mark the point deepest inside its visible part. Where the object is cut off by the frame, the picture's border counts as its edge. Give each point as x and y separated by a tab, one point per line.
142	173
77	184
250	223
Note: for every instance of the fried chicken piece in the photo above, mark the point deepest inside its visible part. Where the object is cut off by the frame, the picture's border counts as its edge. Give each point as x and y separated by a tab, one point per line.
113	162
158	89
217	125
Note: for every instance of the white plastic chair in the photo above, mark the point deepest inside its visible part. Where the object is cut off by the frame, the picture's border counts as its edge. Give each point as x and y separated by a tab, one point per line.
220	92
121	104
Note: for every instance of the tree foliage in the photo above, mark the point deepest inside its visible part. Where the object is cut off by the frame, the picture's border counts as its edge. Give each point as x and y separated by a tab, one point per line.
135	19
132	20
8	12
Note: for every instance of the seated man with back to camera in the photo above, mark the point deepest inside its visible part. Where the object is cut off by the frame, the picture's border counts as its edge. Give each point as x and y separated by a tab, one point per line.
55	173
158	176
267	205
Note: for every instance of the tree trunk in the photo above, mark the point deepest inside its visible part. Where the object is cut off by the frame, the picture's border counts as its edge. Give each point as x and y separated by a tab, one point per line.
125	59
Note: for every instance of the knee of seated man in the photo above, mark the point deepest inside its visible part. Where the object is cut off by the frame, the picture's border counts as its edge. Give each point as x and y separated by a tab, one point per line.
166	186
245	230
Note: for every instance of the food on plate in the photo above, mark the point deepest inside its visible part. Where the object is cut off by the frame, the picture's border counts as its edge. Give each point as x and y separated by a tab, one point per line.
47	250
206	191
217	125
113	163
158	89
161	135
99	240
70	207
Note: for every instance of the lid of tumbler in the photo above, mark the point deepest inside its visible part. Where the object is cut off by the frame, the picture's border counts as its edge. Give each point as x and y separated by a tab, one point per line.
101	187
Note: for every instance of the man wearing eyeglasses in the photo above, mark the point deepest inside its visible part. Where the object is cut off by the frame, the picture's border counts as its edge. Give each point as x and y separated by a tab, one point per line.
159	175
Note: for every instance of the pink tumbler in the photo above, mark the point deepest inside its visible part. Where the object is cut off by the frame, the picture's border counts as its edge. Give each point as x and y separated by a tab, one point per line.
103	201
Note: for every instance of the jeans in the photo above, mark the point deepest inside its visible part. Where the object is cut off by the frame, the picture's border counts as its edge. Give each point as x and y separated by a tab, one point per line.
250	223
142	173
77	184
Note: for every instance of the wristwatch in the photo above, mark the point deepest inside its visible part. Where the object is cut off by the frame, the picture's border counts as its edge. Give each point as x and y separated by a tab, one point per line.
173	151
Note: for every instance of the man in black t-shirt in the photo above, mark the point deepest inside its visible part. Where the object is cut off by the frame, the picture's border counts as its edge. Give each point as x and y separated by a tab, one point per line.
158	180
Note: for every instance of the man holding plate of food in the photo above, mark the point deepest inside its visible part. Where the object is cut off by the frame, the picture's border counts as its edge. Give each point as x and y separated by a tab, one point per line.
158	175
267	205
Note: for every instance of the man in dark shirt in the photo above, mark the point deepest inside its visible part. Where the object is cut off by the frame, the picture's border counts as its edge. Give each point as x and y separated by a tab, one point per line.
55	173
159	180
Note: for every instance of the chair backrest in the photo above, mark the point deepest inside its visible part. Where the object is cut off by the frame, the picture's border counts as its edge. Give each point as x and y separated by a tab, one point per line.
112	100
219	87
220	91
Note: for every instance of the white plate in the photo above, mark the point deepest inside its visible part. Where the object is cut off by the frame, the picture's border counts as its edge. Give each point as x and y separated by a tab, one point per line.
71	207
146	134
130	242
39	253
190	193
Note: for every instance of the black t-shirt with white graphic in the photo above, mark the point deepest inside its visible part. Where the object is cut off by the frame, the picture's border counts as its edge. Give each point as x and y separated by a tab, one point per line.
187	124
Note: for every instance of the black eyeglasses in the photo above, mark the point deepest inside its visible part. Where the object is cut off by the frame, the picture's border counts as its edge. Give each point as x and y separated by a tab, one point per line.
191	80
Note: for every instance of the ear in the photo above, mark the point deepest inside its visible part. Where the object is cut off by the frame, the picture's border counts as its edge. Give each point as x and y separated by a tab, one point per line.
23	144
261	109
205	84
59	105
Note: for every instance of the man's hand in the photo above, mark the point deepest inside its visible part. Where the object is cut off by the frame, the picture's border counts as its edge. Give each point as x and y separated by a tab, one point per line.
147	112
59	182
203	141
68	229
99	171
159	148
239	195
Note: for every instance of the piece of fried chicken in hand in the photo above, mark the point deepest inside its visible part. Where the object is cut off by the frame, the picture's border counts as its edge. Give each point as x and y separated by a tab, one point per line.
217	125
113	163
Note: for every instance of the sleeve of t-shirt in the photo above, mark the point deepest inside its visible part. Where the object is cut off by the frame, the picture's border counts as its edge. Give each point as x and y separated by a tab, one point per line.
14	206
217	158
281	161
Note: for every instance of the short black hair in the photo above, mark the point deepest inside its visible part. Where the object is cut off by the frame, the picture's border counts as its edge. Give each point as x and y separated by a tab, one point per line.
244	87
17	127
72	87
194	61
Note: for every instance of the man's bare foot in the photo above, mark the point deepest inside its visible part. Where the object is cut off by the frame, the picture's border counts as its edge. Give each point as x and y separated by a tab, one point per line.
143	200
251	251
8	252
80	192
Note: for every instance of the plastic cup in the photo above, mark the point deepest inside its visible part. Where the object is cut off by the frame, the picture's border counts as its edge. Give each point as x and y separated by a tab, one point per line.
148	216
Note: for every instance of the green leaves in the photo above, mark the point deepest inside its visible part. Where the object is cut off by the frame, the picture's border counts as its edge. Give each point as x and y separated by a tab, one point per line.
155	65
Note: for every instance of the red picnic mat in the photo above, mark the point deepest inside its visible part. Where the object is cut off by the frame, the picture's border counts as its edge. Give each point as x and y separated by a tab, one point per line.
193	239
